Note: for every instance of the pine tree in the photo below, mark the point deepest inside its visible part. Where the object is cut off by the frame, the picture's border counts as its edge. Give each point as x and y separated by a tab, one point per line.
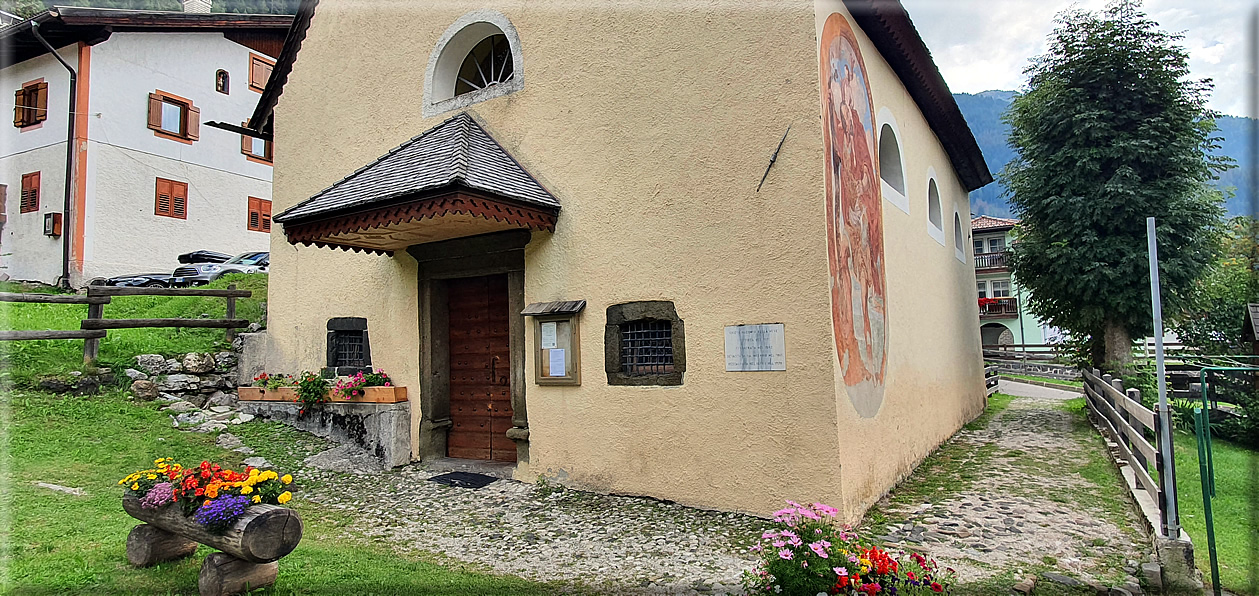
1109	132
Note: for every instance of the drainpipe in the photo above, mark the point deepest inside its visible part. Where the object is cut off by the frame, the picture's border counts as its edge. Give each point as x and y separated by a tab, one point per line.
65	210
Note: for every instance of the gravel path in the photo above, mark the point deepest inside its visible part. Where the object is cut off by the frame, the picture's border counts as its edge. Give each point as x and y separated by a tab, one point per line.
1027	509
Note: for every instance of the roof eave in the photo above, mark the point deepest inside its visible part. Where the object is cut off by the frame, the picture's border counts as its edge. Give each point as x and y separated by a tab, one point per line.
891	31
385	202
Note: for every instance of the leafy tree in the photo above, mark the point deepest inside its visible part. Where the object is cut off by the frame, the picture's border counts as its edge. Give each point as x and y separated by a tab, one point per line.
22	8
1212	321
1110	131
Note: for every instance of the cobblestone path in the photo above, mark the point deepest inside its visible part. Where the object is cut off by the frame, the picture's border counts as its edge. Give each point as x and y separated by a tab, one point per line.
1028	493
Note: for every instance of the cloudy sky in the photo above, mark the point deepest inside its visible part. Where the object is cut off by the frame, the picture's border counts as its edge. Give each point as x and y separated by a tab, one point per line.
985	44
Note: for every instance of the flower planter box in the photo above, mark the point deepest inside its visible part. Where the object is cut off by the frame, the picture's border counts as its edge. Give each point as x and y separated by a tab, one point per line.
371	395
264	533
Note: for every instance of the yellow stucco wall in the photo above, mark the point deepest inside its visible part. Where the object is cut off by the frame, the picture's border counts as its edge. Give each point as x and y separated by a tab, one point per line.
652	126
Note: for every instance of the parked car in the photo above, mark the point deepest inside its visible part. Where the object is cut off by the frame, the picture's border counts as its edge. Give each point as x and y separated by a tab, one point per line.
204	273
147	280
203	256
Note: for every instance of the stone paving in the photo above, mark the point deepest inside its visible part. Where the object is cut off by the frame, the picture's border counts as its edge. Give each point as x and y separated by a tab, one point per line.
1027	505
1020	505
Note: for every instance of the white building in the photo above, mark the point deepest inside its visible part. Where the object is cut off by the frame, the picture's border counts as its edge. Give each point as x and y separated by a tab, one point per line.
149	180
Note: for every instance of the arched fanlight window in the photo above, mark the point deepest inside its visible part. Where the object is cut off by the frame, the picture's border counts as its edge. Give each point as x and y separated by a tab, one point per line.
934	214
478	58
222	82
890	159
959	238
489	63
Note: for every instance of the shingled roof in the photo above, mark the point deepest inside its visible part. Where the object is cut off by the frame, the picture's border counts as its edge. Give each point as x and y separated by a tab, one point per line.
455	153
987	222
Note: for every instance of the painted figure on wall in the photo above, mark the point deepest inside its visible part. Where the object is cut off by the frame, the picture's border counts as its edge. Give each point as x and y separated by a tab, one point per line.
854	215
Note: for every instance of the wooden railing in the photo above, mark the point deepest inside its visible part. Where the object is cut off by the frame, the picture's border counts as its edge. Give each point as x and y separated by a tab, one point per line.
992	378
1131	427
991	260
94	327
999	308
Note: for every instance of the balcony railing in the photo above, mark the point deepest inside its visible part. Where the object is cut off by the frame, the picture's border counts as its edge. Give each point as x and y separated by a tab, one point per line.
998	308
991	260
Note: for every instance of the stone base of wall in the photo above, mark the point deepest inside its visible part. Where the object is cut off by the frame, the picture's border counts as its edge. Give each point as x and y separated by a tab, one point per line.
384	430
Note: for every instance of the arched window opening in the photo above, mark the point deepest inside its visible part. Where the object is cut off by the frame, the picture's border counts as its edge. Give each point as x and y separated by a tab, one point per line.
890	159
222	82
958	239
489	63
934	213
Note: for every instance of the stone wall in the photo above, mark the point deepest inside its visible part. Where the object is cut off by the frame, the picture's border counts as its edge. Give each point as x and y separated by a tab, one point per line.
384	430
200	388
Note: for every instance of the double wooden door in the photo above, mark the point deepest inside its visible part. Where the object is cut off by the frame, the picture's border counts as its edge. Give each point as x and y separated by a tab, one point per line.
480	369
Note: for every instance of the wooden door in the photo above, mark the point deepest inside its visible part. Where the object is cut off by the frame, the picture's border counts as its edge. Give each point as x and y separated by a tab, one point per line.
480	370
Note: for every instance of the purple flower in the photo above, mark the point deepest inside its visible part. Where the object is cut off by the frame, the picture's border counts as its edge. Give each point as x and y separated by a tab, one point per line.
218	514
161	494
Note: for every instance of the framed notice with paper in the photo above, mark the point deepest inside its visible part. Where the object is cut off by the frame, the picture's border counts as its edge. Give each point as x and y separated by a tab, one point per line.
556	342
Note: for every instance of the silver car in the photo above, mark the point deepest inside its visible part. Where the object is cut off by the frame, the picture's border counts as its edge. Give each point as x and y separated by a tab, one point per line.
204	273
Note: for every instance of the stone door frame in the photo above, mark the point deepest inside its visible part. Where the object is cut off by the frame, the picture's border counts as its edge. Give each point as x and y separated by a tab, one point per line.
487	254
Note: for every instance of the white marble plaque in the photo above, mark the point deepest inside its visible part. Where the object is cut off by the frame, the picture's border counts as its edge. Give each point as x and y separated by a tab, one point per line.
756	347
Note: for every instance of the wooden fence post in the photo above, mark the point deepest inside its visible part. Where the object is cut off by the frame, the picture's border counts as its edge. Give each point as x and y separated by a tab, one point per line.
231	313
1135	395
92	346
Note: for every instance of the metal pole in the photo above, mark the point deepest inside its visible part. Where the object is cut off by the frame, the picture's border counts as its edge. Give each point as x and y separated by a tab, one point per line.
1202	420
1165	433
66	224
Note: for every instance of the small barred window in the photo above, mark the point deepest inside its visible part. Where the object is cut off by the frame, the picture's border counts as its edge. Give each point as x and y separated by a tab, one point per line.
647	347
644	344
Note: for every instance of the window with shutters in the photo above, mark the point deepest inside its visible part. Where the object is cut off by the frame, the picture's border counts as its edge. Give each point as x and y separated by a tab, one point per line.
171	199
259	72
255	149
30	193
30	104
173	117
259	215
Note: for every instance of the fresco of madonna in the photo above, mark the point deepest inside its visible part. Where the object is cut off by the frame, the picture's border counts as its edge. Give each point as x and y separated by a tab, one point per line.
854	218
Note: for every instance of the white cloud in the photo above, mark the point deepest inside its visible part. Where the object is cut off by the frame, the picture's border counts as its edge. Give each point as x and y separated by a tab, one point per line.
985	44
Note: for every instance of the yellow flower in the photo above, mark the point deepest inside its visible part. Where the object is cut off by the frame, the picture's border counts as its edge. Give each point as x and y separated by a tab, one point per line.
244	490
152	476
135	486
270	475
253	472
257	498
284	497
287	478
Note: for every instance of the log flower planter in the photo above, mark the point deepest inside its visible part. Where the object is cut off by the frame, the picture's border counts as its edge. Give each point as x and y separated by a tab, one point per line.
371	395
251	546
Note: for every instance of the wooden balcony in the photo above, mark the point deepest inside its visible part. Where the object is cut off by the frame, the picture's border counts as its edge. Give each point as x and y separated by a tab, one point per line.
998	308
991	261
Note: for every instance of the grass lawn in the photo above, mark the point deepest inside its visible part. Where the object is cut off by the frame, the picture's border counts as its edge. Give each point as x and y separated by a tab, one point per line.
26	360
1076	384
1235	508
56	543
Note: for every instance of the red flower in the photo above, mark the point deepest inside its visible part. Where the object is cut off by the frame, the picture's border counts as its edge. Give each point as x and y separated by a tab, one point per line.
200	491
936	587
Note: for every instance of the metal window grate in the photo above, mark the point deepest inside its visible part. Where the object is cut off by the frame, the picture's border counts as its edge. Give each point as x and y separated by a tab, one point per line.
646	347
349	348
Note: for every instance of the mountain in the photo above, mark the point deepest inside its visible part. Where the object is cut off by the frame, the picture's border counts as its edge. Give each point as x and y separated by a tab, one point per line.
983	113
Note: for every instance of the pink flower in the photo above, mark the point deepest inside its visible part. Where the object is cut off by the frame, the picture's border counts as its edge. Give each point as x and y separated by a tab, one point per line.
767	534
826	510
785	554
807	513
840	570
779	544
819	550
795	541
788	534
756	548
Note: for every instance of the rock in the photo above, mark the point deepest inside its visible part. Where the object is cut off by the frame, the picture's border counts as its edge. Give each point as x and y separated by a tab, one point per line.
257	462
180	382
180	407
220	409
190	418
173	366
1153	574
245	450
225	360
198	399
243	418
78	492
212	426
222	416
228	441
1059	578
154	364
222	399
145	390
1133	587
253	328
1025	586
55	385
1118	592
169	397
347	458
75	373
199	362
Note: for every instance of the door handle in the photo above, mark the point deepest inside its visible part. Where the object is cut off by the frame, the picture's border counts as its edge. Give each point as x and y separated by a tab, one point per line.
494	380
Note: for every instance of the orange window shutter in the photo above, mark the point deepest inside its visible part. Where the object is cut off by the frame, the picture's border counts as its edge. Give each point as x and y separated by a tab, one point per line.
41	102
193	129
162	201
253	214
246	144
4	199
155	111
265	208
30	194
179	200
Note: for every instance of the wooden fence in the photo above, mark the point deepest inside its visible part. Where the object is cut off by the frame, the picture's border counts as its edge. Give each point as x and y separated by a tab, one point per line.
1133	429
992	378
94	327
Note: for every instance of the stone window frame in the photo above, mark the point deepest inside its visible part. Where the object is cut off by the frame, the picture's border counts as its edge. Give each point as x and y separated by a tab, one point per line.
893	195
449	53
626	312
341	325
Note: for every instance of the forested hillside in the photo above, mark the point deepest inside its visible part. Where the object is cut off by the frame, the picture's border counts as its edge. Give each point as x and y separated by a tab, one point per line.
983	113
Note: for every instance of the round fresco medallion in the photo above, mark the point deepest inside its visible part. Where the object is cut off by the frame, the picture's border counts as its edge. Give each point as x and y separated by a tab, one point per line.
854	218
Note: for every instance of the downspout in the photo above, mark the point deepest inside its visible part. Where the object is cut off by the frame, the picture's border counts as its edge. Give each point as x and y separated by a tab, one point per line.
65	210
